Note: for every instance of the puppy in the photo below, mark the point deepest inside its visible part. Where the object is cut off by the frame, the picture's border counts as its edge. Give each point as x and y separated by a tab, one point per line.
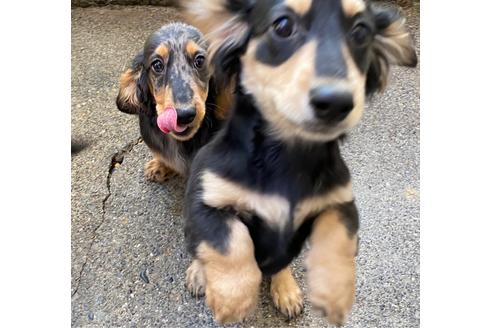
274	175
170	88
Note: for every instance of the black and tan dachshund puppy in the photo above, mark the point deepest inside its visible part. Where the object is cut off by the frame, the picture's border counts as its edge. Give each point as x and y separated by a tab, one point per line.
274	175
170	88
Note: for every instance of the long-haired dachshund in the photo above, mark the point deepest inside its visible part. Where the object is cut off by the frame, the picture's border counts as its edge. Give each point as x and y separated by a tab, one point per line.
274	175
170	88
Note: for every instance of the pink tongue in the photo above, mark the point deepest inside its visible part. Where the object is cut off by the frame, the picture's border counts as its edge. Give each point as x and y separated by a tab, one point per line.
167	121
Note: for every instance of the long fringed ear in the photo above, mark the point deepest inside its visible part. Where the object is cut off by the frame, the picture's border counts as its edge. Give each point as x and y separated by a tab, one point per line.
393	45
133	88
224	23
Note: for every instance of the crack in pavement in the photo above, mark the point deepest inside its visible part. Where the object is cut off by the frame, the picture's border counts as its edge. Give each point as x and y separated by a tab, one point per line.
116	159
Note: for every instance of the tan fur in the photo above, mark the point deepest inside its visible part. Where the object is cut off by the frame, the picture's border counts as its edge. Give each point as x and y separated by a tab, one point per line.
167	167
396	44
353	7
210	13
195	278
162	50
219	192
192	48
283	92
215	21
163	98
319	203
224	101
330	267
232	280
128	87
301	7
155	170
286	294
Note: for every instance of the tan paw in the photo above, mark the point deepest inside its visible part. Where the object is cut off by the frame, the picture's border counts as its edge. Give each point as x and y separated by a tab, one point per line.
333	294
233	277
156	171
286	294
330	267
195	279
230	303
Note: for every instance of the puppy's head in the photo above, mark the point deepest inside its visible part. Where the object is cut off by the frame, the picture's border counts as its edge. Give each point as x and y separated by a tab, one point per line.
307	63
169	81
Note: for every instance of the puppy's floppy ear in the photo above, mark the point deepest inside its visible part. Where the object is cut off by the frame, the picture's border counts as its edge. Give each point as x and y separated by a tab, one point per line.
225	25
133	88
393	45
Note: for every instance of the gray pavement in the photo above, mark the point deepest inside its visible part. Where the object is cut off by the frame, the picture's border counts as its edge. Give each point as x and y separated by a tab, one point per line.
128	253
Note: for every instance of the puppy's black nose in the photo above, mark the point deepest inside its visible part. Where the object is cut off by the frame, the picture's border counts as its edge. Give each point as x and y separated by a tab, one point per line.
330	103
185	116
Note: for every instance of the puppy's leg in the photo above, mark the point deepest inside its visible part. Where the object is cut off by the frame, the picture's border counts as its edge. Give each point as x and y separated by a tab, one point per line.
232	277
157	171
286	294
222	245
331	262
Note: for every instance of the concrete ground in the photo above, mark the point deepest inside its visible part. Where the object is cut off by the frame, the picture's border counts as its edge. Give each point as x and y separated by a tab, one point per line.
128	253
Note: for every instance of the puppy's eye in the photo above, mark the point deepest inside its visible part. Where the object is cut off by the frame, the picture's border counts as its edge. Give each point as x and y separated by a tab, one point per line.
283	27
199	61
361	35
157	66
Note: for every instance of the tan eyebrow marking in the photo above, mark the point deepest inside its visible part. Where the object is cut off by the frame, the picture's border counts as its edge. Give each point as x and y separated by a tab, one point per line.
301	7
162	50
192	48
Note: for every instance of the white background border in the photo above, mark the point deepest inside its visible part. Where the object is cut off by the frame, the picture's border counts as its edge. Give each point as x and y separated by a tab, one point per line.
456	165
35	163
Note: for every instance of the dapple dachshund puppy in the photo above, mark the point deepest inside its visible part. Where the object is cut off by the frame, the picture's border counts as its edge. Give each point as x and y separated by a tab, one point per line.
170	88
274	175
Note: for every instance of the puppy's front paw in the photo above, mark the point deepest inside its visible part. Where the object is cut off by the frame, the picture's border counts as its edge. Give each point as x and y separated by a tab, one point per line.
286	294
232	277
332	293
230	303
156	171
195	279
232	294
